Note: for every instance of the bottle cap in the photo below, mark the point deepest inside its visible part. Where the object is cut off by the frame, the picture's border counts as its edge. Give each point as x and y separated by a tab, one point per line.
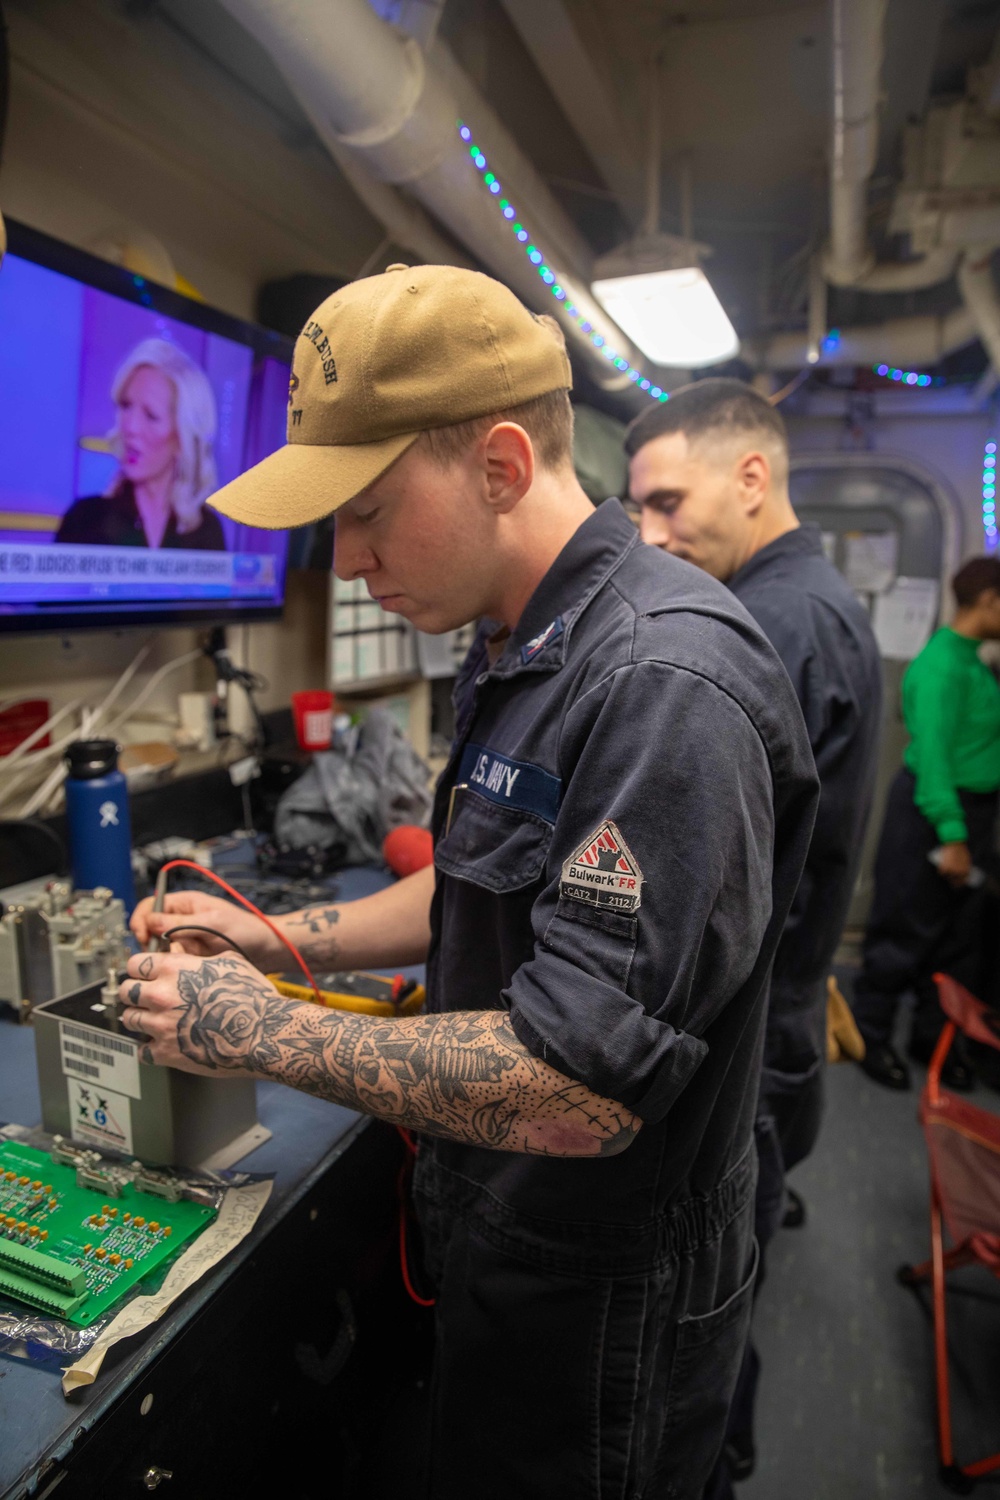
88	759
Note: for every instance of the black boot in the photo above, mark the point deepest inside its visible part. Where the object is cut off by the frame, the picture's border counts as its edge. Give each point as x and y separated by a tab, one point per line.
883	1063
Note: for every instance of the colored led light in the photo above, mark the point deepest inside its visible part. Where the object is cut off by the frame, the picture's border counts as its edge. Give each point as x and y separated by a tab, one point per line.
991	447
911	379
924	380
549	276
989	462
882	370
989	492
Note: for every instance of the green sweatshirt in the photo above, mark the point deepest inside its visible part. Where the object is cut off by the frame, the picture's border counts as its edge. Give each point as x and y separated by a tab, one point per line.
951	705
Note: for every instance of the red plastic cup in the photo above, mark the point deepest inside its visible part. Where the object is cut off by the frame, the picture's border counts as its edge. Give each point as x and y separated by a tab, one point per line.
313	715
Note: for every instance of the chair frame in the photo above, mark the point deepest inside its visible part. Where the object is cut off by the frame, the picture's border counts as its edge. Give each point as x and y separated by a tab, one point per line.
960	1478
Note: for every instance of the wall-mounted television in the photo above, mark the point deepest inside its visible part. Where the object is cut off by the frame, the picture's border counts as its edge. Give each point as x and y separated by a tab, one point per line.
123	406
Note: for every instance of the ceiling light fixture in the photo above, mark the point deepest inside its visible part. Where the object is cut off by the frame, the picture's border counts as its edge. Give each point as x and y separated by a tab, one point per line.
549	277
653	285
673	316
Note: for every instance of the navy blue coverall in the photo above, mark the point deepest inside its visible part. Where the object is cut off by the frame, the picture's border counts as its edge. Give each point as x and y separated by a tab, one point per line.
618	837
826	644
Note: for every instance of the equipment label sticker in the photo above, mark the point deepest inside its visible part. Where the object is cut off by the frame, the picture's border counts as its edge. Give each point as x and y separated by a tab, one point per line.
108	1062
604	872
99	1117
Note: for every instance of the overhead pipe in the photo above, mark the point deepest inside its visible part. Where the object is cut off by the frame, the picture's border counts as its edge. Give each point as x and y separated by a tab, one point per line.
403	220
849	260
552	38
375	98
979	292
904	341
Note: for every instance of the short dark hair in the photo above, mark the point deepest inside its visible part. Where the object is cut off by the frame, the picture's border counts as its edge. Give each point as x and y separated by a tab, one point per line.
708	406
974	578
548	421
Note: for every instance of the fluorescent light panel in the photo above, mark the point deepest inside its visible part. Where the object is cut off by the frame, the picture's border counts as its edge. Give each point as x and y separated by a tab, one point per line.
674	317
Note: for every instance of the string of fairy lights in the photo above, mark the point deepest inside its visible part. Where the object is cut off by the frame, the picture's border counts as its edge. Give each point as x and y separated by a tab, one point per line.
990	496
547	275
907	377
550	278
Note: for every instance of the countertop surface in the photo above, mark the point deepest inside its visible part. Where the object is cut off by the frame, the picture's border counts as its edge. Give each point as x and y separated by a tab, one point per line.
38	1425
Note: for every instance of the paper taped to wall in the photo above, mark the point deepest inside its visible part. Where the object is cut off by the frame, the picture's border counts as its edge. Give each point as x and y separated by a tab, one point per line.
904	617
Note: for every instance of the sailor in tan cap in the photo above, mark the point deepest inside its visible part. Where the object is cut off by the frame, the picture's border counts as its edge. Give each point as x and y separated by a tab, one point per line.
618	835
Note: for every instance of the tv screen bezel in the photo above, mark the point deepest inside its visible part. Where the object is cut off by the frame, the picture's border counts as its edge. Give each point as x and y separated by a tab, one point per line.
55	255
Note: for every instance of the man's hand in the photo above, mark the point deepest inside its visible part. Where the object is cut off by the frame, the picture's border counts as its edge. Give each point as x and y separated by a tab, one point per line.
955	863
202	1015
208	911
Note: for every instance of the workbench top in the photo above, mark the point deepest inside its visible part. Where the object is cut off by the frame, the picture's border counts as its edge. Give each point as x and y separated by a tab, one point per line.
38	1425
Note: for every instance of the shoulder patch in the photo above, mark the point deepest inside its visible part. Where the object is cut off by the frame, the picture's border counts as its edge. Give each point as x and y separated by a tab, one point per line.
604	872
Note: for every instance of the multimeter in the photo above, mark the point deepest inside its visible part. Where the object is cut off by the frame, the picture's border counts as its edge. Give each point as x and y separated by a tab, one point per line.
369	994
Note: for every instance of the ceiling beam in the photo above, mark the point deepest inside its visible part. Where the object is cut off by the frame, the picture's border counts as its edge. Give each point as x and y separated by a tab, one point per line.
586	99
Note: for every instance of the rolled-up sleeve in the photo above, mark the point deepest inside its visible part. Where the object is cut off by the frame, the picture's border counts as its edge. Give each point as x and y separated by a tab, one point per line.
658	885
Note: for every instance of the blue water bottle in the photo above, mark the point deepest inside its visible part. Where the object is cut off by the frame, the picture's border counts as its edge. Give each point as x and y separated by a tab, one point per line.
100	832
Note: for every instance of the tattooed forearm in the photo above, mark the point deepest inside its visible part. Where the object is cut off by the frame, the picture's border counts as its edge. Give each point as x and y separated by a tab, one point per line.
463	1075
312	930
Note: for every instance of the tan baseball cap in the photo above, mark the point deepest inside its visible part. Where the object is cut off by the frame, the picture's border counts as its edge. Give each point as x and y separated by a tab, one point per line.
378	363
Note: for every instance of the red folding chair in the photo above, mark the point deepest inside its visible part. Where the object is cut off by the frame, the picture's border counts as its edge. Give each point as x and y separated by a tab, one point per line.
963	1143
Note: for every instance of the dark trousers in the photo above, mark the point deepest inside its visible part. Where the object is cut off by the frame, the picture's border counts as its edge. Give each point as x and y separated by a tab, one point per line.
568	1369
789	1113
919	923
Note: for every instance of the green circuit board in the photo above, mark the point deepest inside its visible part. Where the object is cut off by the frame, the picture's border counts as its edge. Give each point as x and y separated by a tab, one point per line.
72	1251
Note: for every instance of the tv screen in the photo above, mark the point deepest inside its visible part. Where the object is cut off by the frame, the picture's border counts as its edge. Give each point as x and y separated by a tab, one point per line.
123	407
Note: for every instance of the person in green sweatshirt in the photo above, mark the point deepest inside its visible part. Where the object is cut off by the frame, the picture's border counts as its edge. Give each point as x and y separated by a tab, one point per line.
938	832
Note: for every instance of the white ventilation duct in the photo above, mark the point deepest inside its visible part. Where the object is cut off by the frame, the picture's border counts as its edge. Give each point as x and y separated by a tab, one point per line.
979	290
391	113
857	67
913	342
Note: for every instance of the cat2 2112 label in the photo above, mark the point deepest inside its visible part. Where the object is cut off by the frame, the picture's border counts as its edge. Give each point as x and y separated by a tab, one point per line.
604	872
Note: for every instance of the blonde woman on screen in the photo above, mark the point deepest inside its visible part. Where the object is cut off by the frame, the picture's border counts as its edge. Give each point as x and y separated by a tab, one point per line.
163	439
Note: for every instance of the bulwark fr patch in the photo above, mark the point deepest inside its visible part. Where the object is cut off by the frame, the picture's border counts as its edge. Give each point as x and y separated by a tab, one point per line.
604	872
